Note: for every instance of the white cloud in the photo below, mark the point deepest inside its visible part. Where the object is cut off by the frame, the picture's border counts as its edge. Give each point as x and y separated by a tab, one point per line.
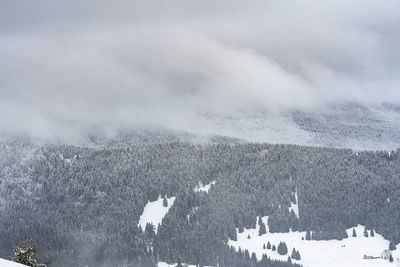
71	67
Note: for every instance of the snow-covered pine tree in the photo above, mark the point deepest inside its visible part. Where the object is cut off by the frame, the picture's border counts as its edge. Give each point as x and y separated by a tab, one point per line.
25	253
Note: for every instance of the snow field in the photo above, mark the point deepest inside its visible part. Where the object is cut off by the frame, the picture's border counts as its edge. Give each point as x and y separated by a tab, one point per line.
164	264
348	252
6	263
295	207
154	212
203	188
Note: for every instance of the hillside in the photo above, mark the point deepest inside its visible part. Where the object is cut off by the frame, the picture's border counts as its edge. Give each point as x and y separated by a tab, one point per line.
85	205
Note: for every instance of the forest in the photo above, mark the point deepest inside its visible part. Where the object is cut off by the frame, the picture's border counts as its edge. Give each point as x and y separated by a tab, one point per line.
81	205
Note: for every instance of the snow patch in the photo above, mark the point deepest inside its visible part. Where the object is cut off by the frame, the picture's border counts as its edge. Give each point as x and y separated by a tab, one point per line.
203	188
6	263
295	207
348	252
164	264
154	212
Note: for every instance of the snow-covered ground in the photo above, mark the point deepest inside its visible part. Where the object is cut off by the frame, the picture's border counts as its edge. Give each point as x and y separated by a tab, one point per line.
154	212
348	252
203	188
295	207
164	264
6	263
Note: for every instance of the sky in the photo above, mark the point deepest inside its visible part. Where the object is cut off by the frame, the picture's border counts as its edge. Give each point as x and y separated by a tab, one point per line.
68	68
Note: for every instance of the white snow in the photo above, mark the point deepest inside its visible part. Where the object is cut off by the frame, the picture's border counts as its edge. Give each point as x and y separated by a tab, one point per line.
295	207
6	263
203	188
164	264
154	212
348	252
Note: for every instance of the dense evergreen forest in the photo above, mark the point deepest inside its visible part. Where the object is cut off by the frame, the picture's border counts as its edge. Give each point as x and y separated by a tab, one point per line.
82	205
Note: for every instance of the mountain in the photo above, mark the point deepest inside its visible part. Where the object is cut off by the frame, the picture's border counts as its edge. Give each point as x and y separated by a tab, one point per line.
82	205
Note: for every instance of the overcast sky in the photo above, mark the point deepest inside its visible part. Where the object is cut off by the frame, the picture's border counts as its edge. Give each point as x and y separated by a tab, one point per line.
68	67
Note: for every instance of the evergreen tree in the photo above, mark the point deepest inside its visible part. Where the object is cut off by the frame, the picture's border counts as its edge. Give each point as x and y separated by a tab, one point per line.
253	257
246	255
259	220
354	233
232	234
365	232
165	202
264	247
282	248
25	253
268	245
308	235
241	227
248	236
179	263
262	229
391	258
273	248
149	231
289	259
372	233
392	246
293	254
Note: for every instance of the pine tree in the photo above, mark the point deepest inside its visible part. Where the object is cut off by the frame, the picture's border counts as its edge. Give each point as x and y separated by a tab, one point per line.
262	229
179	263
248	236
264	247
289	259
149	231
282	248
391	258
165	202
308	235
259	220
293	254
232	234
365	232
246	255
354	233
253	257
372	233
241	227
25	253
273	248
268	245
392	246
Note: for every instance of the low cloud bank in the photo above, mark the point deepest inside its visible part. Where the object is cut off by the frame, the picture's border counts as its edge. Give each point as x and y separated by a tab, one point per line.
71	68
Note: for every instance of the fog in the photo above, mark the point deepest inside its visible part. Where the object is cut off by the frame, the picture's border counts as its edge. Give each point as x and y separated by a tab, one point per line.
68	68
